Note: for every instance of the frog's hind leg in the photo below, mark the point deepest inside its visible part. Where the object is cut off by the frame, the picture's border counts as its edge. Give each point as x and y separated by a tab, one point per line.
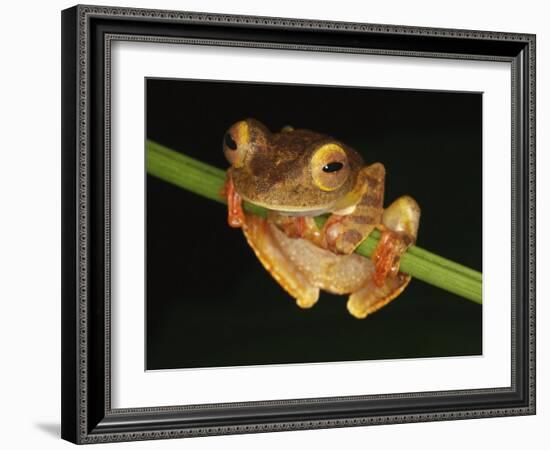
263	241
371	297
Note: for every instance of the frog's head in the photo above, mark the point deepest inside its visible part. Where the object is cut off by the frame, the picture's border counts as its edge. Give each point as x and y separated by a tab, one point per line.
297	172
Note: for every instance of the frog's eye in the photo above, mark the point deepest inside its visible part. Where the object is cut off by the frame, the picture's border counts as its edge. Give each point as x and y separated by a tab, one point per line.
229	142
329	167
333	167
235	143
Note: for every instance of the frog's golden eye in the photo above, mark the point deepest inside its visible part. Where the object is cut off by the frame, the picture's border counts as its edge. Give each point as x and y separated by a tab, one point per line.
329	167
236	143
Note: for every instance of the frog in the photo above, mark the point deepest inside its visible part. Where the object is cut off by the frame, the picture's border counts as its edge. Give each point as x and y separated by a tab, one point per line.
297	175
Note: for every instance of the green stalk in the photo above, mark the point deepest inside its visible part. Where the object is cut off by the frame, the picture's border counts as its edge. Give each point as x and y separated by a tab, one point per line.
207	181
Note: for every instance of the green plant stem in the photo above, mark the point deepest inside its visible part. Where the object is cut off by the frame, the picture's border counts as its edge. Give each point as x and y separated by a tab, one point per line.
207	181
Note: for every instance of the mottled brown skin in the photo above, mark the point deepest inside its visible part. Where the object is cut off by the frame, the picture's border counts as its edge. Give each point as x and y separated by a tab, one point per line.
297	174
276	172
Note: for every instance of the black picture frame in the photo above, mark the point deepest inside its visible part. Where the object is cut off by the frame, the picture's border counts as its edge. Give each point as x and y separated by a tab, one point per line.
87	33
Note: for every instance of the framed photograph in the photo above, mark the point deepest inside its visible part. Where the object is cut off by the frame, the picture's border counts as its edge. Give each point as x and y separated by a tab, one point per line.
280	224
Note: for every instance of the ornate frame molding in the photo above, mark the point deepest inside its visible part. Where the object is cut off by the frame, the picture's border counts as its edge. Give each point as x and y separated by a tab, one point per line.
85	422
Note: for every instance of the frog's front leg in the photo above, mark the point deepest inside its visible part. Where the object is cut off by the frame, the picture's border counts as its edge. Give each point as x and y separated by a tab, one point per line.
342	233
235	213
399	224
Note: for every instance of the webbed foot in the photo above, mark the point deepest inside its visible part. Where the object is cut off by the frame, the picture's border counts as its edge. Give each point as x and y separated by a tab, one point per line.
371	297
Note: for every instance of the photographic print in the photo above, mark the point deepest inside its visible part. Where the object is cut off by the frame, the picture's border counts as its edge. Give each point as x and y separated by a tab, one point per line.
291	223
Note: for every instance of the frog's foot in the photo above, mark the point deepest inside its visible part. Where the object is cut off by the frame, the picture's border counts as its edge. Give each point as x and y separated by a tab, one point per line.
235	213
261	236
293	227
341	238
399	230
386	256
371	297
296	226
332	232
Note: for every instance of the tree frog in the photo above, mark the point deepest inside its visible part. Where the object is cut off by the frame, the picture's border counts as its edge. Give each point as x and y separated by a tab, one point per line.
297	174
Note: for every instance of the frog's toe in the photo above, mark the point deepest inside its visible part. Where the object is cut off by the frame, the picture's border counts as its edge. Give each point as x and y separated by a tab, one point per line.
371	297
338	238
387	255
403	216
307	297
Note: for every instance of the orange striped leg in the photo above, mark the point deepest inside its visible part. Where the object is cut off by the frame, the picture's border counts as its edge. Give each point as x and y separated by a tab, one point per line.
235	213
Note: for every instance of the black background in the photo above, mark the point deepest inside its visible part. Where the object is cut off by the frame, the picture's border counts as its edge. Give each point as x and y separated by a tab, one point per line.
210	302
